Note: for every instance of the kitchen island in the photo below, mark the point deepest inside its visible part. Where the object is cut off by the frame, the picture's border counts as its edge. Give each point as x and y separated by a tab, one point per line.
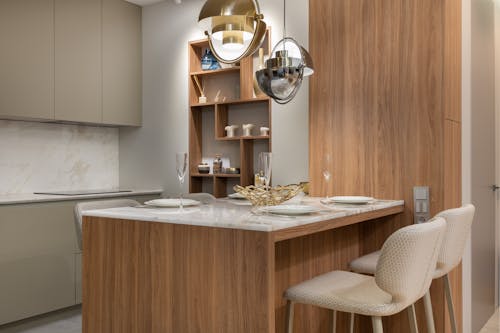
217	268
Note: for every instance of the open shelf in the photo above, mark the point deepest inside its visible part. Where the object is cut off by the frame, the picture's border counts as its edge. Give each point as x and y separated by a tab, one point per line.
216	71
234	102
237	104
218	175
237	138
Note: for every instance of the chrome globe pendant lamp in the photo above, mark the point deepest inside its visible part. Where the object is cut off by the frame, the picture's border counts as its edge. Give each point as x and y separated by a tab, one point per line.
289	64
235	28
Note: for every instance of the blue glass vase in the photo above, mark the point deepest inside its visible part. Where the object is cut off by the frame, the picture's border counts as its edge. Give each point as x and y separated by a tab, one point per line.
208	61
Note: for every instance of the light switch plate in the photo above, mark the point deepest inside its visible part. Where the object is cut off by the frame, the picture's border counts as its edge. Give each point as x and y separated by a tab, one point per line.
421	204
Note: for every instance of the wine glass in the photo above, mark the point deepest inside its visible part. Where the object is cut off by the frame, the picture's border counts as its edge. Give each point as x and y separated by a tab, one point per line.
266	166
327	175
181	160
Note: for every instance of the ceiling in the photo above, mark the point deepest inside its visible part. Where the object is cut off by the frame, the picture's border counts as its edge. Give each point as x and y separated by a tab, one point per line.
144	2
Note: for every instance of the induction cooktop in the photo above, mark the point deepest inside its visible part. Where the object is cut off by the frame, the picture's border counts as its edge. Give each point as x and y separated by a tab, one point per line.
83	192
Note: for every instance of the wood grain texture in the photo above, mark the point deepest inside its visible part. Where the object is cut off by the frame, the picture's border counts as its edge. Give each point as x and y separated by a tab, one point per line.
159	277
387	76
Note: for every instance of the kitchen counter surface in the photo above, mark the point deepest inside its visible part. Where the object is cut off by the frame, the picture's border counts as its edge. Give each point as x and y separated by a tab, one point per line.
232	214
22	198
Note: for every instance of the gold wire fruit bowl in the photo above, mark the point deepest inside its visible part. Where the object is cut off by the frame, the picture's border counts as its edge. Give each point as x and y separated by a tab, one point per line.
260	196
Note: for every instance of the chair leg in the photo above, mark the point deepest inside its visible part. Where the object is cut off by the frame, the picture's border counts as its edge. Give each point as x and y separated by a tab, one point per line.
431	328
412	319
351	324
289	316
334	321
377	325
449	300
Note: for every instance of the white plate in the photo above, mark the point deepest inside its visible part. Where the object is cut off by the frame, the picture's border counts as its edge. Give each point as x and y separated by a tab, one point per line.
171	203
236	196
290	209
358	200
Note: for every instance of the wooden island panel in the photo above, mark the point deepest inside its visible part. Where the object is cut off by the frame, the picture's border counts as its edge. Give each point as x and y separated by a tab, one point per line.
152	277
158	277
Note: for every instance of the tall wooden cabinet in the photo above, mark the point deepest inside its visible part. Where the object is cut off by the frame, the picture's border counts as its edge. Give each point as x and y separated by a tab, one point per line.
230	100
71	60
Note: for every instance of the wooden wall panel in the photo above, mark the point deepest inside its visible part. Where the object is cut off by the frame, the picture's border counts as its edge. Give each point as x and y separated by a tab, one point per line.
387	76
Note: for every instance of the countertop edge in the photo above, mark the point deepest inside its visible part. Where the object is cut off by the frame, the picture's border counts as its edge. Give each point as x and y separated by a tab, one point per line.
26	198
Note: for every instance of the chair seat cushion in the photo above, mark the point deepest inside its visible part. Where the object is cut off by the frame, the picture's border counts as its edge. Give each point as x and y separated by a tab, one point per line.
366	264
346	292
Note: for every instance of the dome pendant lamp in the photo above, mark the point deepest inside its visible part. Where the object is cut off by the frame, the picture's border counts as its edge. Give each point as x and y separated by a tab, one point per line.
288	65
235	28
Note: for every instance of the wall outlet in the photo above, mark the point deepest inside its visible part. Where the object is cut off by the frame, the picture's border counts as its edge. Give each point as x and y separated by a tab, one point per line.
421	206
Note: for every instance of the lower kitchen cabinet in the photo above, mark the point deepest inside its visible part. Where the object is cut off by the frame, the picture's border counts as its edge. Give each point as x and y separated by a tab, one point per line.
40	262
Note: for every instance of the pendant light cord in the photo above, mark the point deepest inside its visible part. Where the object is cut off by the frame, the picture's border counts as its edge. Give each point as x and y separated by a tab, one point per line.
284	24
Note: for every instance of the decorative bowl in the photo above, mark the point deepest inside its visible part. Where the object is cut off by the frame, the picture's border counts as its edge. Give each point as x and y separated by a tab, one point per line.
259	196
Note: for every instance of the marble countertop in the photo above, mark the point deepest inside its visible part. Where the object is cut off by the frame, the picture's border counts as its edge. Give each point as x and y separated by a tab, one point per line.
11	199
227	213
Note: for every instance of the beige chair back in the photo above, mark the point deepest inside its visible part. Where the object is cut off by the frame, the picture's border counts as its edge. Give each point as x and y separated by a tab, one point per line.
80	207
407	260
458	227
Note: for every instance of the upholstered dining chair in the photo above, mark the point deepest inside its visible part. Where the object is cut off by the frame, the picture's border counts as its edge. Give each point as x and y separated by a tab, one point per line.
80	207
458	226
402	276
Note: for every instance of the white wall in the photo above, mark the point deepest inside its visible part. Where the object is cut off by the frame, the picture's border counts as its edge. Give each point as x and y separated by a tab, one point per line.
41	157
478	158
147	154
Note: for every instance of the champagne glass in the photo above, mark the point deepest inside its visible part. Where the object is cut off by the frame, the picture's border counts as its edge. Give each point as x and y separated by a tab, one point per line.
181	164
327	175
266	166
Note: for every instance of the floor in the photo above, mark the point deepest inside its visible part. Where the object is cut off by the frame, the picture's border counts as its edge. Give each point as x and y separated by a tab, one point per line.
70	321
493	325
63	321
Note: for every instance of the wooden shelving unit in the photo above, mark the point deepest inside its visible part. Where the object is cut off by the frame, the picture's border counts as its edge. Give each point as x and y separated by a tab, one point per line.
236	104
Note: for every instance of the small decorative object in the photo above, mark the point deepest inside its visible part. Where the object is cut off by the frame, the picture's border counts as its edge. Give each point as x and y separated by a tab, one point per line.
217	165
256	89
259	179
231	130
259	196
203	168
206	60
247	129
232	171
202	99
264	131
217	96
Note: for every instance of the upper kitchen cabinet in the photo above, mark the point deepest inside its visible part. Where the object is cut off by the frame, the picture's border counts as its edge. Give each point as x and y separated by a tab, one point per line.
122	63
71	60
78	88
27	59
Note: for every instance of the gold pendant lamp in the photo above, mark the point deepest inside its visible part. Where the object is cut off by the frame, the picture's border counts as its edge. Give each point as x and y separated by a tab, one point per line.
235	28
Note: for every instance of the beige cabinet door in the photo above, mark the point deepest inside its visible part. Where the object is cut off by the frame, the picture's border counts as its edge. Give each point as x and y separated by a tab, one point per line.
27	59
78	67
122	63
37	262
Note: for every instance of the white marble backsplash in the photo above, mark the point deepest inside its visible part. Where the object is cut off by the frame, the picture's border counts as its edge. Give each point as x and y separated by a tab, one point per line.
43	157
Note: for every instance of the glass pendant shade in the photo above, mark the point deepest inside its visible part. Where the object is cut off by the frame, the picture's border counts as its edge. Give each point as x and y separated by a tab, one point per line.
282	77
235	28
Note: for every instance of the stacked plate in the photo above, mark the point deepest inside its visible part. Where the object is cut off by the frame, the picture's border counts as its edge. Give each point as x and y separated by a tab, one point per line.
351	200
